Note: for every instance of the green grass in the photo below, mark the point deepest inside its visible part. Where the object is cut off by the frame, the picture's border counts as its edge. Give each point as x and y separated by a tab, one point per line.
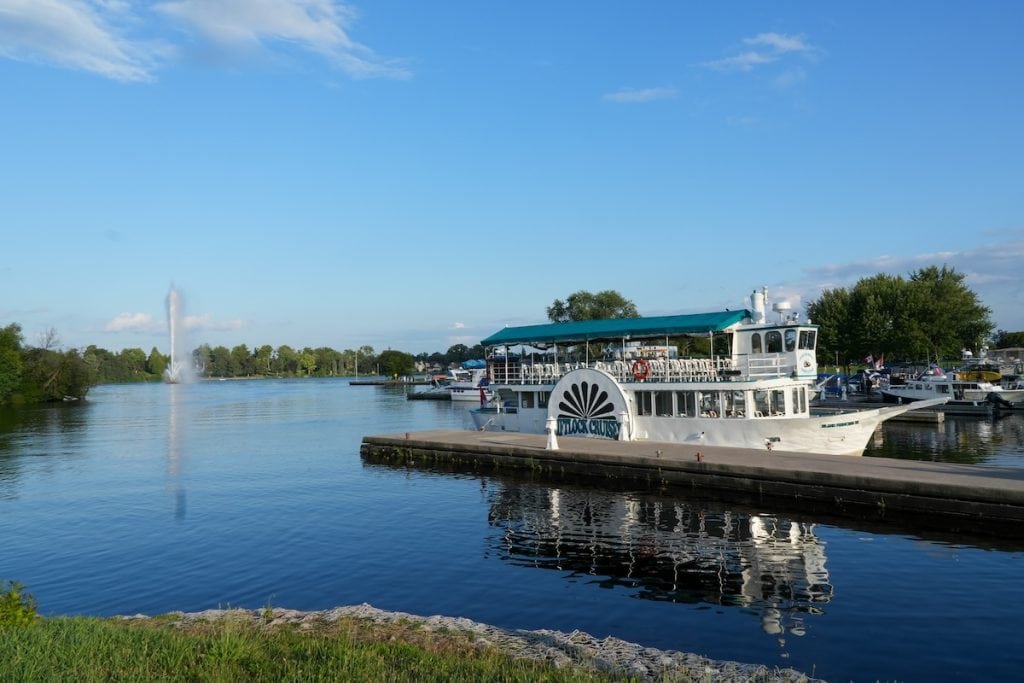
235	649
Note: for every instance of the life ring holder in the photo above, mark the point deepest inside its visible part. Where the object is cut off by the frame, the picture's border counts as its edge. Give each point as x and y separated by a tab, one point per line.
641	369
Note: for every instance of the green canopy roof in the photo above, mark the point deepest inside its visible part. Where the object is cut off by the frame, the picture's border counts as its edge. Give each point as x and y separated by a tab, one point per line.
617	328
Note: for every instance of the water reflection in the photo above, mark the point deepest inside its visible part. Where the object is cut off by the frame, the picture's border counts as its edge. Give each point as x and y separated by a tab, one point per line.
667	549
995	440
175	435
50	431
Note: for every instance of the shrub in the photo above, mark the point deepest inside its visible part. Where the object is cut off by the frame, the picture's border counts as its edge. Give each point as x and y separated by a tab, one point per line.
17	608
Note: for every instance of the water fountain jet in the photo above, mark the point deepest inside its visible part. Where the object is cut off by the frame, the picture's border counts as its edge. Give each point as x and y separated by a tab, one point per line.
180	368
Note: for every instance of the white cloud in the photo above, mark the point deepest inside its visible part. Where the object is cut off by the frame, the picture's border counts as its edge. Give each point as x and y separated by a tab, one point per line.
741	62
146	323
319	26
73	33
780	43
635	95
103	36
773	47
134	322
458	326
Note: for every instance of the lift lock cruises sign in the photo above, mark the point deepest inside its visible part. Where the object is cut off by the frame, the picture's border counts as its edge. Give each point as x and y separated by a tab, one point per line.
588	403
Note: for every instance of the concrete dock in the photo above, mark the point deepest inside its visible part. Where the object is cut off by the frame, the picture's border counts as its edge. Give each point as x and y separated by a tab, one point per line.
953	498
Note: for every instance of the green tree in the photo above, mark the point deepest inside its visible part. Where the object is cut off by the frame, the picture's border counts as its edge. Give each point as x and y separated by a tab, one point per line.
831	312
456	353
10	361
931	316
262	358
220	362
1007	340
157	362
583	305
285	361
396	363
307	362
948	315
241	361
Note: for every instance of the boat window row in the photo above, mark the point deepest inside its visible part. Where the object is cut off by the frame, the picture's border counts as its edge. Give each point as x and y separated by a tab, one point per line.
776	341
756	403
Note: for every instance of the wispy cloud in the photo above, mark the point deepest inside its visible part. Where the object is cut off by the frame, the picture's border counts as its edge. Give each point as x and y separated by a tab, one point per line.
640	95
319	26
768	49
780	43
77	34
134	322
113	38
146	323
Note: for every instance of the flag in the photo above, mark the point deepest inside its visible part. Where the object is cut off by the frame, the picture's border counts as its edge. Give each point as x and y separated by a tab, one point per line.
880	363
870	360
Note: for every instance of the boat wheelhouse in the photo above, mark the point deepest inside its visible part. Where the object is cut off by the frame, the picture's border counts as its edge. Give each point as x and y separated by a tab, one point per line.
622	379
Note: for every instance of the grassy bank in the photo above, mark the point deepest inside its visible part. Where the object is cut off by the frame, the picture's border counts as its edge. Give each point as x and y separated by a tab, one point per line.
237	649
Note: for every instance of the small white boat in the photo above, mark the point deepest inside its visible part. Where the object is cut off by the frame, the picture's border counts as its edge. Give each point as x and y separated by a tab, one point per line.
470	385
752	392
935	383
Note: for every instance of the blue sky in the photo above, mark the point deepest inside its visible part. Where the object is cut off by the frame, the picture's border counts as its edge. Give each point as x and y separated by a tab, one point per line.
413	175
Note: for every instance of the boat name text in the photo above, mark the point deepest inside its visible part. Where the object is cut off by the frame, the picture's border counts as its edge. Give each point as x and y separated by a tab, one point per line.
603	427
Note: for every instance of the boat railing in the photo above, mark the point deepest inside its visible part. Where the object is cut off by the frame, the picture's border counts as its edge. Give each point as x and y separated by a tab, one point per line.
656	370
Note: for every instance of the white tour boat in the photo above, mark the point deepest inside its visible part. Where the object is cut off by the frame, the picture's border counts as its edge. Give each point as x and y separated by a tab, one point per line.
755	395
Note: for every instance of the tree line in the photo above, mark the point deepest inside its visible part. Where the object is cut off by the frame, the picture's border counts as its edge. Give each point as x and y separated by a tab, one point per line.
36	374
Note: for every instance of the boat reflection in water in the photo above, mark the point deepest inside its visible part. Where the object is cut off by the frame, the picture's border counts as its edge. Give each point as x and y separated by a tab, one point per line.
668	549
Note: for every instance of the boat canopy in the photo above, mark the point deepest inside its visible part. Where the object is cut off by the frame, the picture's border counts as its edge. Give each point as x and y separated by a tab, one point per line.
618	328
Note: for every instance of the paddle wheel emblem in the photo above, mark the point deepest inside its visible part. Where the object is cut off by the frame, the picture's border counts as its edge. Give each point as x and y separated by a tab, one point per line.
586	401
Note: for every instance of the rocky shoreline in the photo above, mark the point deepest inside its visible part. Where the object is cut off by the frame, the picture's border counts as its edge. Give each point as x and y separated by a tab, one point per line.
561	650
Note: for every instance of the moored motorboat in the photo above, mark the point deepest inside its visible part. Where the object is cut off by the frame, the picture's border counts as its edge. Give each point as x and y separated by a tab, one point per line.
470	384
753	391
935	383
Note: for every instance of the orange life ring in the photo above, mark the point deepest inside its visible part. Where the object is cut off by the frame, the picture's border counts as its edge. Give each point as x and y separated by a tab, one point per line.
641	369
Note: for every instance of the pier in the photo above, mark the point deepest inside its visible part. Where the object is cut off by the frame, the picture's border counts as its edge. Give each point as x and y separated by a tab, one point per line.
953	498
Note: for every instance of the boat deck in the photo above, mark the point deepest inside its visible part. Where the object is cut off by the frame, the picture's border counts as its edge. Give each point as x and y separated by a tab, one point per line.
973	499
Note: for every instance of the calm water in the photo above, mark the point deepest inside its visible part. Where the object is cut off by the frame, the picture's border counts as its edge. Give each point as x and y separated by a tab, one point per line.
152	498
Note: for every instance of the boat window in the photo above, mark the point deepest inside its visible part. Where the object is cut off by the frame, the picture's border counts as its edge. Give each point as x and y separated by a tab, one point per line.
773	340
644	403
735	404
542	399
790	340
799	400
526	399
777	402
663	403
710	404
761	403
807	338
686	404
755	343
